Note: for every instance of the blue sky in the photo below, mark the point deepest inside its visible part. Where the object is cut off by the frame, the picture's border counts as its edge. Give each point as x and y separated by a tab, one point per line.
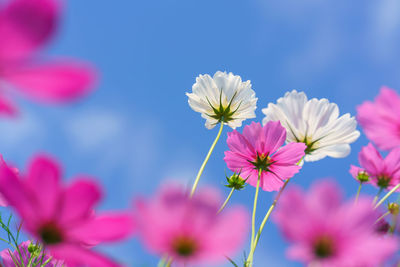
136	129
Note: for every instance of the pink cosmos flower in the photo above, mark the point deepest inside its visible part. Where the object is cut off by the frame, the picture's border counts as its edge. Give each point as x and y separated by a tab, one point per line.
25	26
62	217
7	259
189	230
324	231
381	119
260	148
383	172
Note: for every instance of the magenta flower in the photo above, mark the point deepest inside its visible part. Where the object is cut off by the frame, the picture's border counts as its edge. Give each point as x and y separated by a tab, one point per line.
381	172
260	148
26	26
62	217
7	259
189	230
381	119
323	231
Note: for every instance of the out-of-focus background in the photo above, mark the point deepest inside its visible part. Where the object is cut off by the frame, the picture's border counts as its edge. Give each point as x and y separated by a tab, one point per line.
137	130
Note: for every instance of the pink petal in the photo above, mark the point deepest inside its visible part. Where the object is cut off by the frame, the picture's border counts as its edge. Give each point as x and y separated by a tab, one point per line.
78	201
104	228
226	238
270	182
371	160
290	154
252	133
325	197
44	175
272	137
238	143
236	162
53	82
392	162
75	256
15	194
25	25
7	108
284	172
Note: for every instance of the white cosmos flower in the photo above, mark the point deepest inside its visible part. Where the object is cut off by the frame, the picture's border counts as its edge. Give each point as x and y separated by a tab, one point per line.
223	98
316	123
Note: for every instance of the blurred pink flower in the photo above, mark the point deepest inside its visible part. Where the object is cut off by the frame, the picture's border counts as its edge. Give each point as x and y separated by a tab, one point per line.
383	172
326	232
381	119
62	217
25	26
260	148
189	230
7	259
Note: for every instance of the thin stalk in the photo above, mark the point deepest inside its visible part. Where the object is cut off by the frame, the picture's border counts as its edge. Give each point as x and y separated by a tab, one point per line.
387	195
271	208
377	196
161	263
253	219
358	193
169	263
206	159
226	201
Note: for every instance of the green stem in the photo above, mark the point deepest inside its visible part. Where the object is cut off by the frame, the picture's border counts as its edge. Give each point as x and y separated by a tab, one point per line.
377	196
387	195
206	160
226	201
169	263
253	219
271	208
358	193
161	263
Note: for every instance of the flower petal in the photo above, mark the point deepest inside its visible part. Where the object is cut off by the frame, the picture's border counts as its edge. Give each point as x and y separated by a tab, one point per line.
79	200
44	175
53	82
104	228
25	25
75	256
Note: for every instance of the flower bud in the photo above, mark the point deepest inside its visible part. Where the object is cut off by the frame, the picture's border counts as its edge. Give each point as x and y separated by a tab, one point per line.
363	177
236	182
393	208
34	249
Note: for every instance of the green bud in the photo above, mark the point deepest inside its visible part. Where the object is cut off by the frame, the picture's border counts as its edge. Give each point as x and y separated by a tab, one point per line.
363	177
393	208
236	182
33	249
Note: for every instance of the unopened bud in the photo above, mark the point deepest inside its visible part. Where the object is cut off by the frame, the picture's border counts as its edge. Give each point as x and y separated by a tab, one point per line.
33	249
363	176
393	208
236	182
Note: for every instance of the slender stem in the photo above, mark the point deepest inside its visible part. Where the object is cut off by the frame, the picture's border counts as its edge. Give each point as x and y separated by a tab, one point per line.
387	195
383	216
206	159
169	263
358	193
161	263
226	201
253	219
271	208
377	196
